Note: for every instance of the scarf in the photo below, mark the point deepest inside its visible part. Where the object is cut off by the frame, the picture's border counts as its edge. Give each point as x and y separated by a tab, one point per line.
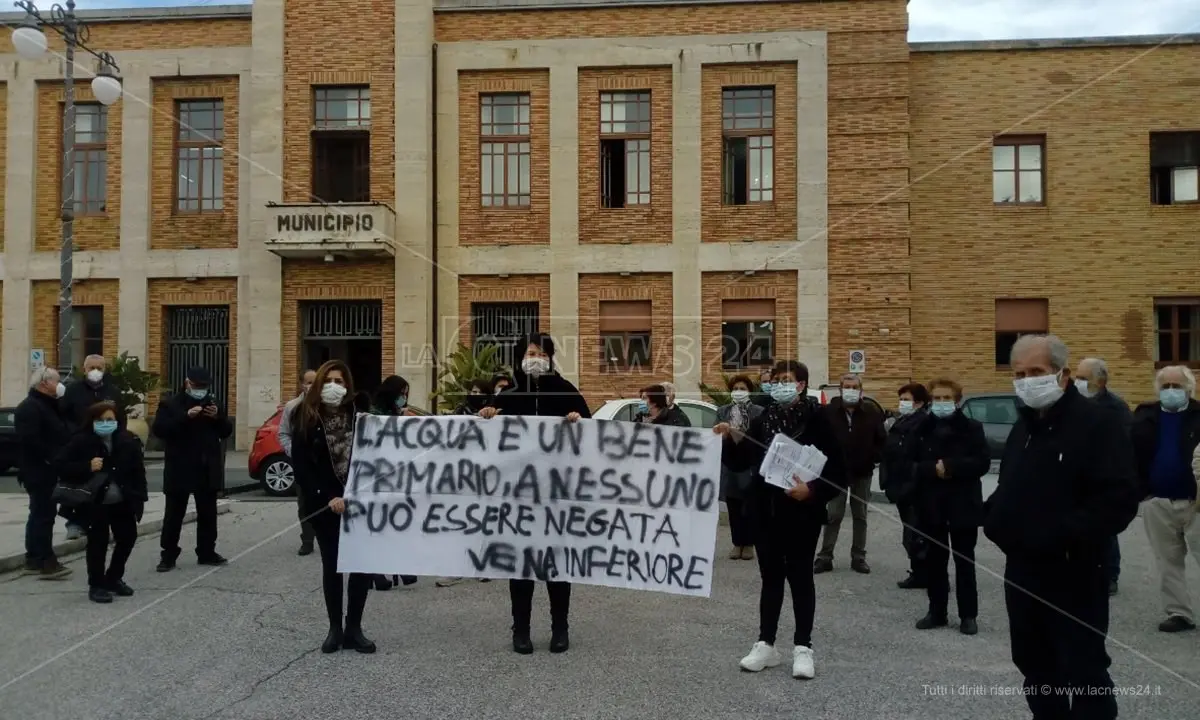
739	419
338	434
790	420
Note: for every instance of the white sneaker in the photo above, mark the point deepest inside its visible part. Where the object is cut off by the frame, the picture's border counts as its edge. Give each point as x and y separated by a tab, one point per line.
761	656
802	663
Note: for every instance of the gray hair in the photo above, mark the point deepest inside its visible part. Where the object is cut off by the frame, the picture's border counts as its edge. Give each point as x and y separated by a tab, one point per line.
1097	366
669	390
1055	348
852	377
41	375
1189	378
90	358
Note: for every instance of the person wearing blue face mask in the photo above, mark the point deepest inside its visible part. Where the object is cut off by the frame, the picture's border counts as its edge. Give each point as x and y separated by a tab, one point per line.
766	383
948	457
1166	435
193	427
109	463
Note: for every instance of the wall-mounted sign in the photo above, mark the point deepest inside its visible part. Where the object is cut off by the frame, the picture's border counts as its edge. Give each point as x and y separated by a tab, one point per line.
37	359
331	221
858	361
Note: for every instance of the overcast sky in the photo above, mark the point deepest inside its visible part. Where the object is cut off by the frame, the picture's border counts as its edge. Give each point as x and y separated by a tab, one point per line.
970	19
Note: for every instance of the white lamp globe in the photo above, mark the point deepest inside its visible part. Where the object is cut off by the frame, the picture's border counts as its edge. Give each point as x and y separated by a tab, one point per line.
106	88
29	42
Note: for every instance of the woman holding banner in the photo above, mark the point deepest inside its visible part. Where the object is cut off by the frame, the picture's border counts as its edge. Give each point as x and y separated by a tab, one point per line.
787	523
538	389
392	399
735	485
322	438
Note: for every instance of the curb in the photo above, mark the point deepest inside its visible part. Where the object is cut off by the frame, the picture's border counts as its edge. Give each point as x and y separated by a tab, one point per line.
71	547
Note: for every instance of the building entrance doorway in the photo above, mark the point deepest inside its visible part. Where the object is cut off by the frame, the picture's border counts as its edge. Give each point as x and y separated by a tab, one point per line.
351	331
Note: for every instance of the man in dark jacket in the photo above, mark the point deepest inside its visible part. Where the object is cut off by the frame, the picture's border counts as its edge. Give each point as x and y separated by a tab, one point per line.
539	390
1066	486
41	433
897	481
1165	436
1091	379
860	433
94	387
192	426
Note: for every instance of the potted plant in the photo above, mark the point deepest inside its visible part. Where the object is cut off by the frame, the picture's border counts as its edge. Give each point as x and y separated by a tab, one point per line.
133	385
718	394
461	368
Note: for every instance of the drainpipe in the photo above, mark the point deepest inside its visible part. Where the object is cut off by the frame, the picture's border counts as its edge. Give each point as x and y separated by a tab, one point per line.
433	218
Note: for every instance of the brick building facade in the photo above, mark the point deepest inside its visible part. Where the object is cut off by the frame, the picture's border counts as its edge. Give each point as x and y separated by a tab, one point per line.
793	181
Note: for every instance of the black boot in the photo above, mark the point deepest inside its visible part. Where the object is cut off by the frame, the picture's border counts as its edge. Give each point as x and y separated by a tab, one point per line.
382	583
119	588
408	579
333	641
932	620
912	582
522	645
99	595
560	641
356	641
968	626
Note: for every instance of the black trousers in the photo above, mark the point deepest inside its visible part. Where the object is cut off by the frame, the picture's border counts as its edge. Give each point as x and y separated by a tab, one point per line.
520	592
741	529
914	543
328	529
306	529
786	556
1058	621
962	542
103	519
206	523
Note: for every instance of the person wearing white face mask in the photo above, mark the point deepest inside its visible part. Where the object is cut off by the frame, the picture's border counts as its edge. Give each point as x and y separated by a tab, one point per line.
735	484
94	387
285	441
896	479
1067	485
1166	435
539	390
41	433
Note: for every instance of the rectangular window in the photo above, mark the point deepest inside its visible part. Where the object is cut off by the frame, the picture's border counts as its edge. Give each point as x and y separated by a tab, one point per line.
748	150
624	149
91	159
1174	168
1018	174
504	134
625	334
342	108
1177	324
199	156
1015	318
504	324
747	333
88	336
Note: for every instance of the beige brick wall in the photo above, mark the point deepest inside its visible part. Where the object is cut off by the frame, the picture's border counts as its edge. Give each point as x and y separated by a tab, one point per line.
718	286
598	385
3	153
493	288
638	223
170	229
100	231
116	37
165	293
305	280
338	42
478	225
44	326
1099	251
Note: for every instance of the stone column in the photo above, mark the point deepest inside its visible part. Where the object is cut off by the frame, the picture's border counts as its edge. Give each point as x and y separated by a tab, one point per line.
812	209
136	132
564	217
685	177
18	235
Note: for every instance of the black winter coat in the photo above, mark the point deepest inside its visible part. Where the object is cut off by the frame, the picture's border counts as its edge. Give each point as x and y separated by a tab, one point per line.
125	463
42	433
1067	484
955	500
193	457
1145	439
673	416
806	423
80	396
311	462
862	439
549	395
895	475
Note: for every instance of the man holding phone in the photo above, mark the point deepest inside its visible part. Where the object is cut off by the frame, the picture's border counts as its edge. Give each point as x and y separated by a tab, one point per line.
192	426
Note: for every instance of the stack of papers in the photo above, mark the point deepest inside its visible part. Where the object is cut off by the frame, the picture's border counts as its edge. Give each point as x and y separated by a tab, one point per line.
787	459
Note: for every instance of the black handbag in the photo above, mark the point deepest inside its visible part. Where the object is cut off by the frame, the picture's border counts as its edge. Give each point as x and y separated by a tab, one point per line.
75	496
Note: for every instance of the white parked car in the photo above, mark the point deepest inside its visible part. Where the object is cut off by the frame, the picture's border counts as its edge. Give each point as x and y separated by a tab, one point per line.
699	412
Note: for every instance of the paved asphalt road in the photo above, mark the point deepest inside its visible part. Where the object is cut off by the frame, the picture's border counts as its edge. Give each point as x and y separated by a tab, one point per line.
240	643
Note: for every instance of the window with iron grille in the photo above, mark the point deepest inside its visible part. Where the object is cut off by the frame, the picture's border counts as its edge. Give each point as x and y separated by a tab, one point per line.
91	159
624	148
504	148
504	324
748	158
199	156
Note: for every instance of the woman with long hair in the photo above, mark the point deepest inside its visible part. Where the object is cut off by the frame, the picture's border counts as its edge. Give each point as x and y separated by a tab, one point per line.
322	439
110	460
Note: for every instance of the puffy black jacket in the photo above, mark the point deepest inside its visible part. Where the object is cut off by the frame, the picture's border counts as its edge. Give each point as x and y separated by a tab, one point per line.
1067	484
193	456
125	463
42	433
549	395
956	499
673	416
895	475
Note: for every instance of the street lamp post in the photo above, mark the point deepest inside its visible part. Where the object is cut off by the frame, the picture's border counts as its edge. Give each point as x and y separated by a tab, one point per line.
30	43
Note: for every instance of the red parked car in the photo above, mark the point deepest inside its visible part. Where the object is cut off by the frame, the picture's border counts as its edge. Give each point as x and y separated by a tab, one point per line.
270	465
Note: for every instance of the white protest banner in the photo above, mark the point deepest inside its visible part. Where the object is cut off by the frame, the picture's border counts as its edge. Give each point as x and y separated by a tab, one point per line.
601	502
786	458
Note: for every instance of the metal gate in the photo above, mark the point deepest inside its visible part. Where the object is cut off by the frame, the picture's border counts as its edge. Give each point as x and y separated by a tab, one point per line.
343	320
199	336
503	324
